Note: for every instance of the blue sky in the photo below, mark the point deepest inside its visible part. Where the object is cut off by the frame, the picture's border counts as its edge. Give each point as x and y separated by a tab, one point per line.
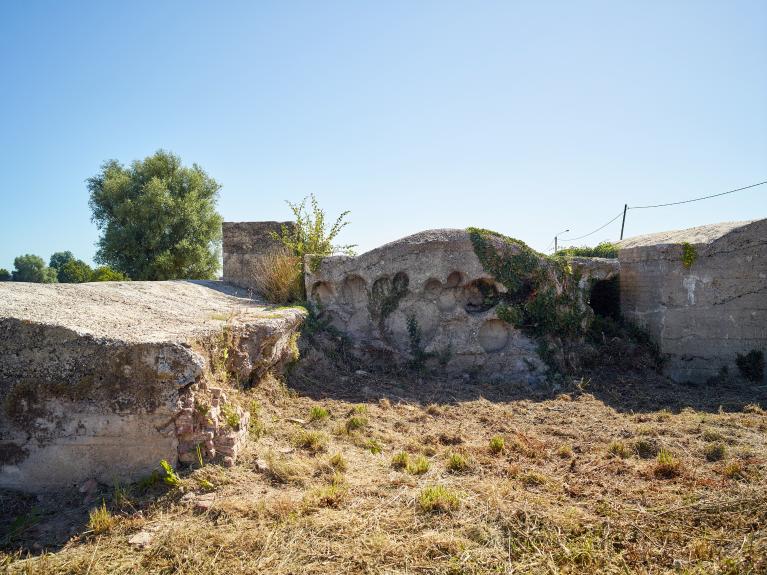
523	117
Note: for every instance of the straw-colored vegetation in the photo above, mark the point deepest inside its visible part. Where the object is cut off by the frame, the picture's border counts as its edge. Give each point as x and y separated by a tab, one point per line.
465	478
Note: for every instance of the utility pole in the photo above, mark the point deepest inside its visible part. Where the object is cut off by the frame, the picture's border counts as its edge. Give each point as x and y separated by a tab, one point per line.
555	239
623	223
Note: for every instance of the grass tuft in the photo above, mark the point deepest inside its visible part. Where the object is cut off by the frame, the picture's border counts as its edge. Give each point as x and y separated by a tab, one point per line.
318	413
314	441
354	423
418	466
438	499
666	465
497	445
457	463
100	520
619	449
715	451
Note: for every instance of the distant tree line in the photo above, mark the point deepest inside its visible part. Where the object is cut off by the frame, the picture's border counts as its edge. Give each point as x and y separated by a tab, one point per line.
63	267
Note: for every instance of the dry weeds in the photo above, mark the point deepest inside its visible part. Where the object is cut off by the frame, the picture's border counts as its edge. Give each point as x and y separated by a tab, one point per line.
546	499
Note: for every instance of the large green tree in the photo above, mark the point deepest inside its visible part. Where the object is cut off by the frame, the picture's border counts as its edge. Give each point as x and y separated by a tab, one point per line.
31	268
158	219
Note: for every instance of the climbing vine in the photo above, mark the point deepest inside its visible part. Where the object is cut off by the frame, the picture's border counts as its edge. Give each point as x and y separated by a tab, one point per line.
531	301
689	255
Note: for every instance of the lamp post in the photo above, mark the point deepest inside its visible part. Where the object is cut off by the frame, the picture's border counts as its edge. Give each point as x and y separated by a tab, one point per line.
555	239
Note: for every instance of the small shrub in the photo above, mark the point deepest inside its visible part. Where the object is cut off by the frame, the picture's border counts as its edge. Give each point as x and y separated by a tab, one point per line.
619	449
602	250
360	409
314	441
751	365
318	413
418	466
354	423
497	445
100	520
231	417
715	451
276	276
438	499
400	460
753	408
309	234
565	451
666	465
457	463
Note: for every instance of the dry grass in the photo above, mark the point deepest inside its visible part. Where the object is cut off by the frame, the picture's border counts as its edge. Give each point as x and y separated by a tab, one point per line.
549	502
276	276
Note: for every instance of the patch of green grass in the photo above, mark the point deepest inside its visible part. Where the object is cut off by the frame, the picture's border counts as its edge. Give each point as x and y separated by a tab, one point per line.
418	466
314	441
355	422
318	413
329	496
438	499
457	463
619	449
338	462
666	465
231	417
497	445
100	520
400	460
374	446
715	451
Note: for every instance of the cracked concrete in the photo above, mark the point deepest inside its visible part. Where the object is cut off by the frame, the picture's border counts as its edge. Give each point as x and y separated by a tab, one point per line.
703	316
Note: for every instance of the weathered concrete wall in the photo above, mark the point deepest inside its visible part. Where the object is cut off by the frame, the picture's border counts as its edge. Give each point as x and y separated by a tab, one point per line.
244	242
104	380
436	279
704	315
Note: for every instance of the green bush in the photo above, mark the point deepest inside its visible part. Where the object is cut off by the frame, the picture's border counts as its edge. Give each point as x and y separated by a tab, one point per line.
31	268
5	275
74	272
107	274
602	250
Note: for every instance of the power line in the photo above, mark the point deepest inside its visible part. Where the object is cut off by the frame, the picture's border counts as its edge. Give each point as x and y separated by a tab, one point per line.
697	199
595	231
662	206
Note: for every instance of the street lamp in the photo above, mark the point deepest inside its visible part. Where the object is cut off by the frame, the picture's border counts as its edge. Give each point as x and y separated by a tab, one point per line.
555	239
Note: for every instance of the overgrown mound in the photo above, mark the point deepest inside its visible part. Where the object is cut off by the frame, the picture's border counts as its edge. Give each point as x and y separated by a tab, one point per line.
545	299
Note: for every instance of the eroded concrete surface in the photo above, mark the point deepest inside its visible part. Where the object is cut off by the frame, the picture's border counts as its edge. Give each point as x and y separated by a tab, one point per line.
704	315
435	281
104	380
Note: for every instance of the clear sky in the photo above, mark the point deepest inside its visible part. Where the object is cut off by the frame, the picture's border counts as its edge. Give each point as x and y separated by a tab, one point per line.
523	117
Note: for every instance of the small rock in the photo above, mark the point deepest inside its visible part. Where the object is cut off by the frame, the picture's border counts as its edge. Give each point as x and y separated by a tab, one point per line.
261	465
189	497
204	502
141	539
361	372
296	420
286	450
